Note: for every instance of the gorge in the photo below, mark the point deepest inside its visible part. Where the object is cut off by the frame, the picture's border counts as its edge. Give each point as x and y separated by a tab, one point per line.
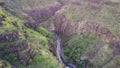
59	51
59	34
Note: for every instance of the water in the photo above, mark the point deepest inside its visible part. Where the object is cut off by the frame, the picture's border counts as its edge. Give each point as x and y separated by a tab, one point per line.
67	67
59	52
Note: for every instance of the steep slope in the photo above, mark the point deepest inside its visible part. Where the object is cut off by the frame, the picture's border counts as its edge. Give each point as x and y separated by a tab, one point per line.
29	4
90	33
89	29
24	47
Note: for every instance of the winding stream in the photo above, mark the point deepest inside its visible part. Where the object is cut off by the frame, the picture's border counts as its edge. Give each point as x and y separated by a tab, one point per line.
60	52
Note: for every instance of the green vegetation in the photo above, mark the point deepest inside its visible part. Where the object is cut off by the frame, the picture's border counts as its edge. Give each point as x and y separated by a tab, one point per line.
19	40
45	32
25	40
4	64
77	45
29	4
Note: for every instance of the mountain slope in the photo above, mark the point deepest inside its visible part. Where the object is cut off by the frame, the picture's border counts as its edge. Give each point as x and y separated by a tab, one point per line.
24	47
89	31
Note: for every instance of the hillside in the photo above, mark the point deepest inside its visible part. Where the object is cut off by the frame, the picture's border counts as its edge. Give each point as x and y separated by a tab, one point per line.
22	46
60	33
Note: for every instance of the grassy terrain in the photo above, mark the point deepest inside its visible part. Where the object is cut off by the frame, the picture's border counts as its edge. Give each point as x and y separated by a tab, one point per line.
76	46
22	46
67	22
30	4
106	13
